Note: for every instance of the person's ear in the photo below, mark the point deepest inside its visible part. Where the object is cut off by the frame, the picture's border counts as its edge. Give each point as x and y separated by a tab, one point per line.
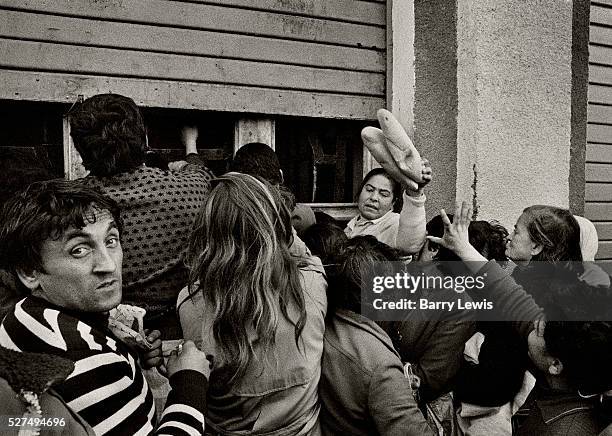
536	249
29	279
555	367
282	176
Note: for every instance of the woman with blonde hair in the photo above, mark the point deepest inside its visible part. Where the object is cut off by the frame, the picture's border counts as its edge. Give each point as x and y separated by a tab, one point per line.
257	310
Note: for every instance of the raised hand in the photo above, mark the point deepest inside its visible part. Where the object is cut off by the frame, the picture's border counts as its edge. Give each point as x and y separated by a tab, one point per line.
456	236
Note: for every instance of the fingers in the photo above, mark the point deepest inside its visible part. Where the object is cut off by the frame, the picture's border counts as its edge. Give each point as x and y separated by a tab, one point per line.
445	219
435	239
464	213
152	335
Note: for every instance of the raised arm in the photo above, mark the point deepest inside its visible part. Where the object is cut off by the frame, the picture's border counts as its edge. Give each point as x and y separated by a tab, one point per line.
411	231
510	300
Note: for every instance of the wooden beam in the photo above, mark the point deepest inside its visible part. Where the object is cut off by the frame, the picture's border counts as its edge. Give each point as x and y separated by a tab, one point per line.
213	17
27	55
90	32
64	88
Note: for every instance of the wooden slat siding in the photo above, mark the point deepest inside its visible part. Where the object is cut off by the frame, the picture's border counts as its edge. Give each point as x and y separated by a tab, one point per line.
600	133
598	192
599	153
604	230
596	172
599	114
27	55
600	15
64	88
600	34
598	211
602	3
343	10
600	74
599	94
605	250
214	17
82	31
601	55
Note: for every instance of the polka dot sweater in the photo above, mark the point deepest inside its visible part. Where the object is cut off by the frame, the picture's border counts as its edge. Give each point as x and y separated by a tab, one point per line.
158	208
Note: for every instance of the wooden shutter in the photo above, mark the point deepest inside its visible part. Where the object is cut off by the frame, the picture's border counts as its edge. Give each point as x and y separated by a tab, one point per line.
316	58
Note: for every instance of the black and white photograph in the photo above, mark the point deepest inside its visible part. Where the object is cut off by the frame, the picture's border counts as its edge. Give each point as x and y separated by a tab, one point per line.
306	217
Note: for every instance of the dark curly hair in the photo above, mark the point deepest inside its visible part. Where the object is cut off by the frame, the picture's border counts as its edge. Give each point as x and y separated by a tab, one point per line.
585	349
259	160
109	133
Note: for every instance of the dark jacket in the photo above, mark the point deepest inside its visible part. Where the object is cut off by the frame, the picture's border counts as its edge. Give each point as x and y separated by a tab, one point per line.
363	390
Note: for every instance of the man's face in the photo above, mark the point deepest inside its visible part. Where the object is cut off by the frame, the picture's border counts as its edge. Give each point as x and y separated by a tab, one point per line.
82	269
376	197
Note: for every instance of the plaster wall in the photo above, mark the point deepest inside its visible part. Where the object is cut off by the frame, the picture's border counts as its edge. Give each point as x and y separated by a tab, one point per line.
514	85
435	105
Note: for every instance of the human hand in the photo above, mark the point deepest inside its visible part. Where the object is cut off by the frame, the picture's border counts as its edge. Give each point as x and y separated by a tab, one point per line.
189	137
394	151
152	357
177	165
456	237
187	356
427	176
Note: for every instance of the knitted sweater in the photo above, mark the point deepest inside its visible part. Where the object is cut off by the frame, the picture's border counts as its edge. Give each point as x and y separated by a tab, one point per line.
158	208
107	387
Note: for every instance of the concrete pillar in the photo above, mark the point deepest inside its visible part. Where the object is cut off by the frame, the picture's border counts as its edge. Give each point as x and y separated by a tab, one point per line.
499	102
514	91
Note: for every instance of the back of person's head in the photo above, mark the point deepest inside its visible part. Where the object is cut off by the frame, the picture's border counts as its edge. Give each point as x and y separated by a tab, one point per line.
43	211
556	230
398	199
322	217
325	240
356	262
489	238
585	351
239	253
258	159
589	240
109	133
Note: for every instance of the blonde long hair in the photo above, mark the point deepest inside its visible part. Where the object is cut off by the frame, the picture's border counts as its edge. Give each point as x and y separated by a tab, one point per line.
239	253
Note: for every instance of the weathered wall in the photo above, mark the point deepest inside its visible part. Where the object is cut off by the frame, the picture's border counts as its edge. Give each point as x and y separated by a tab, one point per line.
514	84
435	107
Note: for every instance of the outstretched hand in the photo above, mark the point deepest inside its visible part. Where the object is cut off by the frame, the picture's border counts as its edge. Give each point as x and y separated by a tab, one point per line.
394	151
456	236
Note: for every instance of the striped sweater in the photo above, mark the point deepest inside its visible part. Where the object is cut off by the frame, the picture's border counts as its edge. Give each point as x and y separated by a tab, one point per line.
107	387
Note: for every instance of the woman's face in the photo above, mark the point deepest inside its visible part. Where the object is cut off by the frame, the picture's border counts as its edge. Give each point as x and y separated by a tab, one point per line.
520	247
376	197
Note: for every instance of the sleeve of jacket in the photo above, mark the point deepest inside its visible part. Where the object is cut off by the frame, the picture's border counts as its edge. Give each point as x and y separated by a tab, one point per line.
510	300
411	230
392	405
186	405
441	359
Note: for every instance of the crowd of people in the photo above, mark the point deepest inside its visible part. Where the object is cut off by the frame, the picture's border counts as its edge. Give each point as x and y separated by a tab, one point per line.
265	300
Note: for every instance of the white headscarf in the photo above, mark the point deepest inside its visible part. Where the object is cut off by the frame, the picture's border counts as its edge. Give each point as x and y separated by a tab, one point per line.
589	242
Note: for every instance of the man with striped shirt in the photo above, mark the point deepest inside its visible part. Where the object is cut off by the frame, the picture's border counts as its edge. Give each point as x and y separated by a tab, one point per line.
62	240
